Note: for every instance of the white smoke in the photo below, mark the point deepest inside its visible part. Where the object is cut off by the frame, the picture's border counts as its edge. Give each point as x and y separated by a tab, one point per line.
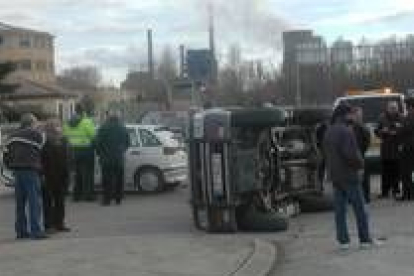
253	20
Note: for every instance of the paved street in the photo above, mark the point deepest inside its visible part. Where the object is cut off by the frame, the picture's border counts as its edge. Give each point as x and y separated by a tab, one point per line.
147	235
154	235
310	248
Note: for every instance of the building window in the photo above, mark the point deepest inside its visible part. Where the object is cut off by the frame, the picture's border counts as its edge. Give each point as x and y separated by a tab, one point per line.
25	42
51	67
24	64
41	65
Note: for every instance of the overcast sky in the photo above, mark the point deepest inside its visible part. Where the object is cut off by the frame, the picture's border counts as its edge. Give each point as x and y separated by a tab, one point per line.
111	34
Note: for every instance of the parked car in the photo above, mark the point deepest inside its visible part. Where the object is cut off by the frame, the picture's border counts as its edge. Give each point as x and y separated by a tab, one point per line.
154	162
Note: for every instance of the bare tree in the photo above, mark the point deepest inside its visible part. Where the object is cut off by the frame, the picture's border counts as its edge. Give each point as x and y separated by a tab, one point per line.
87	78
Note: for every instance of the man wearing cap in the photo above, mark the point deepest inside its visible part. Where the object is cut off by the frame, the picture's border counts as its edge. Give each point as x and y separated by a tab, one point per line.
406	137
344	164
24	159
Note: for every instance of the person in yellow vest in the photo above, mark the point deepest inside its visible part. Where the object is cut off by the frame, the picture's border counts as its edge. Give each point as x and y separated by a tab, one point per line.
80	133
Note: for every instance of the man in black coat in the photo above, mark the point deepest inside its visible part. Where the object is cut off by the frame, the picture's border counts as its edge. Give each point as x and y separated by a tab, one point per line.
55	161
406	136
363	138
112	141
389	123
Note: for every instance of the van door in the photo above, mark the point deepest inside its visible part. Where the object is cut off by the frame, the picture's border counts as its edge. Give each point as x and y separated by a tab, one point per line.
133	158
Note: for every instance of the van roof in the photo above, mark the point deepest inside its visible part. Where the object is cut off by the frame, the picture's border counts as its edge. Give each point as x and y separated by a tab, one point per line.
373	95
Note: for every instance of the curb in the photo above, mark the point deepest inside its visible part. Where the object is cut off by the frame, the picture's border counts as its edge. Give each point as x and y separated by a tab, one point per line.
260	262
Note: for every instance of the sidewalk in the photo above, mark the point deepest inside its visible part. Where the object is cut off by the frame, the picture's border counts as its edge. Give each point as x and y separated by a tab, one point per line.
312	249
138	256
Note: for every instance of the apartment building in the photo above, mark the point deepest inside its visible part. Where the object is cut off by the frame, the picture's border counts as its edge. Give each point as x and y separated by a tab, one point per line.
32	52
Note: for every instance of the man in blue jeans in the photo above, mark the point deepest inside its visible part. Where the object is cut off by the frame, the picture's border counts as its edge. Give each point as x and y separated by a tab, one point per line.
345	168
24	158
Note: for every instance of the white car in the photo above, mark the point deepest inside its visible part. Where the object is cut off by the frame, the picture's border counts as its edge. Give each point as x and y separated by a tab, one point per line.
154	161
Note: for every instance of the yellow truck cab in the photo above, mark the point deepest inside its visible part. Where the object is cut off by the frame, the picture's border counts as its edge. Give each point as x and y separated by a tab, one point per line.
373	103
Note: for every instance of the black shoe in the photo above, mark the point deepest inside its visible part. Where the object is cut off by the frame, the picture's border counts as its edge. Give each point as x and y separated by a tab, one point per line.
22	237
105	203
40	237
118	202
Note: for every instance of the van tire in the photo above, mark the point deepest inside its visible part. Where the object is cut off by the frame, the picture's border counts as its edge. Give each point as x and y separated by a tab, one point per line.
149	180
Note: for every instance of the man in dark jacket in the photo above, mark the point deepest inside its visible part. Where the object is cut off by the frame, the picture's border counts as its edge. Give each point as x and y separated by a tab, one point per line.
363	138
389	123
112	141
24	159
406	135
55	161
344	164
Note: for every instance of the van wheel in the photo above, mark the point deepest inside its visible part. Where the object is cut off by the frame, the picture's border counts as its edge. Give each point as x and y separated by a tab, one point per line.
149	180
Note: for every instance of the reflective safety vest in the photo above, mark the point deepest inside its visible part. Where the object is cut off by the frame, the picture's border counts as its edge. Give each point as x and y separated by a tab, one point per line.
81	135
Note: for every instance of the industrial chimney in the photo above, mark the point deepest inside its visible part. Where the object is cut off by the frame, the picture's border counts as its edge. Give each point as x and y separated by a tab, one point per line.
212	44
182	61
150	54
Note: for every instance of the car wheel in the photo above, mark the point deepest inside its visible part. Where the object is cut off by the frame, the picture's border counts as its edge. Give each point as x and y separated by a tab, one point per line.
149	180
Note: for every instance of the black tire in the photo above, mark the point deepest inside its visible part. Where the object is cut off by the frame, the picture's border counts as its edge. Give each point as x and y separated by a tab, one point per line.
257	221
149	180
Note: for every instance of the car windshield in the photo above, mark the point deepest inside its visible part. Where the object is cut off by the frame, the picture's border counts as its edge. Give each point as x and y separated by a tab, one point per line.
374	106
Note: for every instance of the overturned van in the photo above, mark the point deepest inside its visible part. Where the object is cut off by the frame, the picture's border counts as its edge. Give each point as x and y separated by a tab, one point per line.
250	167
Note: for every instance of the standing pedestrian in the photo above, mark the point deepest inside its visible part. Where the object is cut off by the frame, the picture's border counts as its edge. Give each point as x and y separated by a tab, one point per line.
112	141
24	159
344	163
406	136
80	133
55	161
363	138
389	123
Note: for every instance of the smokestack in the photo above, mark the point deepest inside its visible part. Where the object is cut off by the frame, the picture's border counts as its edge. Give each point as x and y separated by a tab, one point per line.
150	54
212	43
182	61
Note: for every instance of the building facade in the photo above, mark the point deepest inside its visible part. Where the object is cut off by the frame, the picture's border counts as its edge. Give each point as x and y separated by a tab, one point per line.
32	52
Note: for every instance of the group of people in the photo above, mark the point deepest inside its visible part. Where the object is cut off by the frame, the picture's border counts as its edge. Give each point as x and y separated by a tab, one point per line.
344	143
396	132
42	156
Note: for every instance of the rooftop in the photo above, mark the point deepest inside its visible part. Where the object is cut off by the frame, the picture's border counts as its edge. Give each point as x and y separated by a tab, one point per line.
7	27
28	89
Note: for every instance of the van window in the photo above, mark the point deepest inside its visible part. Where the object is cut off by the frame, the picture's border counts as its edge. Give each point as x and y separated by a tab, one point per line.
148	139
133	136
374	106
